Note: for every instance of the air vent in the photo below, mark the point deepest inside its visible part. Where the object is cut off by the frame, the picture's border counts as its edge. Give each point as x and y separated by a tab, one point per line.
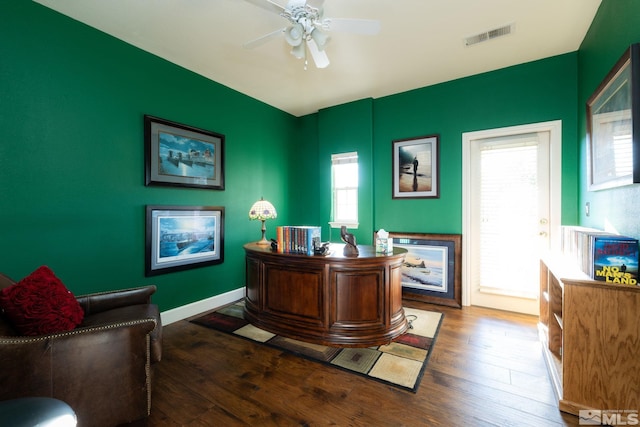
489	35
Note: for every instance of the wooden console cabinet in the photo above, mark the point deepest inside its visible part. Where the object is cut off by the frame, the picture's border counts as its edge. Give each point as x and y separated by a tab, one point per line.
591	339
330	300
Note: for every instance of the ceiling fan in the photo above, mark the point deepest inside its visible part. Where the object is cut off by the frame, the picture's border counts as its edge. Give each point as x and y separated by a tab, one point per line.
307	29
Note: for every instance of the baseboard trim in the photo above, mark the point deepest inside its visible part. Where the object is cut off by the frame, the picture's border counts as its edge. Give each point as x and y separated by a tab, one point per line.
189	310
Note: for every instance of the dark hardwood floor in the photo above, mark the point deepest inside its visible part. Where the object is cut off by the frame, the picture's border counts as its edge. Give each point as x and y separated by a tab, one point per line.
486	370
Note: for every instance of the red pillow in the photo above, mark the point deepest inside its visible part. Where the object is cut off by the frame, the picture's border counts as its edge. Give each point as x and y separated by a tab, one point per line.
40	304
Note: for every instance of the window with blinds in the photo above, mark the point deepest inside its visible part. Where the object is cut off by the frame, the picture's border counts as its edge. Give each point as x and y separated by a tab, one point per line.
344	188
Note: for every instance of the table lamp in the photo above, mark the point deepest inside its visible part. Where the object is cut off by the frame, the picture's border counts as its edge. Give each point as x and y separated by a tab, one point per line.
262	210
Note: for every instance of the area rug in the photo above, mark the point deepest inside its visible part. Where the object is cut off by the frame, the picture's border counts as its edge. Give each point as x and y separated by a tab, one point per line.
400	363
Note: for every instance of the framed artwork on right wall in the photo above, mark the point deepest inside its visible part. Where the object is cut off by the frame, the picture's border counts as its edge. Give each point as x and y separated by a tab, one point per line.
613	126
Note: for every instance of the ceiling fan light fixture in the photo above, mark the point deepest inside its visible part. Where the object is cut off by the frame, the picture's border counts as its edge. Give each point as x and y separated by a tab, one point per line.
299	51
294	34
307	28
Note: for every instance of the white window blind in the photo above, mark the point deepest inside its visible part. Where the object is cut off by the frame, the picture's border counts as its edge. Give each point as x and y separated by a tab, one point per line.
344	187
509	215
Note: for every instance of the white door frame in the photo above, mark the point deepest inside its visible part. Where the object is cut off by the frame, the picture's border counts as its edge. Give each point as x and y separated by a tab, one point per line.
555	191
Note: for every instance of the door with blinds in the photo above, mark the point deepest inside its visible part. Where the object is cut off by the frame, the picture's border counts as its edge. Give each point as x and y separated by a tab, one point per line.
509	218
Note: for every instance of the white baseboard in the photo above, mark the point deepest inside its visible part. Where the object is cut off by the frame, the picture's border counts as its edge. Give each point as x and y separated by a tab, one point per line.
189	310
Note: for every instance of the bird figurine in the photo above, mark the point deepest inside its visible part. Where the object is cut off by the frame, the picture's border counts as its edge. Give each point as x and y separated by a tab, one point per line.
350	249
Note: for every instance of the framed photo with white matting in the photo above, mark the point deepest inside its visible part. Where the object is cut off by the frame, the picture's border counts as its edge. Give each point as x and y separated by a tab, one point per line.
416	169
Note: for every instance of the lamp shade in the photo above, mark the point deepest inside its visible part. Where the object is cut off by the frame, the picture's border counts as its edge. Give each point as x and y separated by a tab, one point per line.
293	34
262	210
299	51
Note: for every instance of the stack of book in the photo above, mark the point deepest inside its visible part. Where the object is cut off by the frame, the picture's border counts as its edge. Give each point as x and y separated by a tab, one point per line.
603	256
298	239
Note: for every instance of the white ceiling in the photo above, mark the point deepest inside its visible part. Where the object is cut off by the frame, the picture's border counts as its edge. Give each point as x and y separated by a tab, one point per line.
421	42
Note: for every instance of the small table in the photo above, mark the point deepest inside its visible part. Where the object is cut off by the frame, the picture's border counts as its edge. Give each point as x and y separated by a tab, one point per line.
36	411
329	300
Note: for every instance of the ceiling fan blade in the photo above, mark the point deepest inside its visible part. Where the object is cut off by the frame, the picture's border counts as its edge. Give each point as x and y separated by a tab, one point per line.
367	27
319	56
264	39
269	5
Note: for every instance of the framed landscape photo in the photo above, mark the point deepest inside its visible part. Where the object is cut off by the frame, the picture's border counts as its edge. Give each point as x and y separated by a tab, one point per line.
182	156
432	268
416	167
613	126
183	237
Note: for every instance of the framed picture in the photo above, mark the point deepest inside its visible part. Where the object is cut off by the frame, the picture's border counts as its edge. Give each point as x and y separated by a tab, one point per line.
613	126
416	168
182	156
183	237
432	267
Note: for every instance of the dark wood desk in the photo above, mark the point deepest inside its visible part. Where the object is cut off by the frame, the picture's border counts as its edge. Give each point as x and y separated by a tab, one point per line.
330	300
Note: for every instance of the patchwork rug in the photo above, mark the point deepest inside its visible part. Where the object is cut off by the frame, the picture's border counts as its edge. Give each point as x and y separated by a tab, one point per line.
400	363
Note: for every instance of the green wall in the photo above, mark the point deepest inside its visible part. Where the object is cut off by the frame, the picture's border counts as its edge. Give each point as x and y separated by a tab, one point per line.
539	91
72	101
304	185
615	27
535	92
339	129
342	129
72	154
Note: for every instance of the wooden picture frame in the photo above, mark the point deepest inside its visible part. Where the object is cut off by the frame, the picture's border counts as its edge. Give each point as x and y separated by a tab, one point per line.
183	237
182	156
613	126
416	167
432	270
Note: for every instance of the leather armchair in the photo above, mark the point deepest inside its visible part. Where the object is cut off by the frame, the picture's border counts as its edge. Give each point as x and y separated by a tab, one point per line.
102	369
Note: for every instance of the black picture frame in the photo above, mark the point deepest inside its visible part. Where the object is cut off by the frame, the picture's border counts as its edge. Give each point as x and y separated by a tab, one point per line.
183	237
182	156
441	255
613	126
416	167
